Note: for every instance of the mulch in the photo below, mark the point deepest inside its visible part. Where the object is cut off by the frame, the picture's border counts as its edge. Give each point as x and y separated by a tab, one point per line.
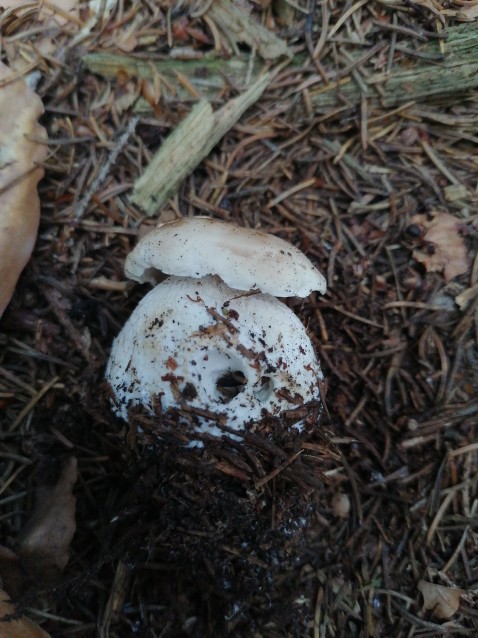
237	541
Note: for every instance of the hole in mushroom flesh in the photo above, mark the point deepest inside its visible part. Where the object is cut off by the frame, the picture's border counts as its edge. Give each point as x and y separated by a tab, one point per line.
230	384
265	389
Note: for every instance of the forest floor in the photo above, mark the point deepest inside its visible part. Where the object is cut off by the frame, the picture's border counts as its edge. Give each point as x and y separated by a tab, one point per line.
360	154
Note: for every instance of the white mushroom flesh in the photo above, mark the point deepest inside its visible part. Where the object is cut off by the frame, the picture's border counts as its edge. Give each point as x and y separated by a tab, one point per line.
200	344
244	258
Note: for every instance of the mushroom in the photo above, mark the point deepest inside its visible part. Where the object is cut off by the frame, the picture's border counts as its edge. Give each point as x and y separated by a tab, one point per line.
244	258
201	340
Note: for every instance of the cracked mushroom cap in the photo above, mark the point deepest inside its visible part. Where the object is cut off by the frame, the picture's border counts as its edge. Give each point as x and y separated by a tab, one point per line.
196	343
244	258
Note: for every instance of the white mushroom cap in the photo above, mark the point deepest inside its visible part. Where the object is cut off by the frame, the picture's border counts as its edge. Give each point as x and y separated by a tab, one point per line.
245	259
188	338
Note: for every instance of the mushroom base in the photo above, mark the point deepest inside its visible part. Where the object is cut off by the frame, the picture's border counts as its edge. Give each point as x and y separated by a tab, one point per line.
225	520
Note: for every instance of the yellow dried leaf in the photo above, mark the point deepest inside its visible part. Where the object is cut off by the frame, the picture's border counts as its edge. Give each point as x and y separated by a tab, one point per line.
442	601
444	248
20	108
20	628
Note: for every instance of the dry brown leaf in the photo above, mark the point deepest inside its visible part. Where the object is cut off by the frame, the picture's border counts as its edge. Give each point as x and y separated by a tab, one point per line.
443	246
43	544
20	108
11	572
442	601
22	627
